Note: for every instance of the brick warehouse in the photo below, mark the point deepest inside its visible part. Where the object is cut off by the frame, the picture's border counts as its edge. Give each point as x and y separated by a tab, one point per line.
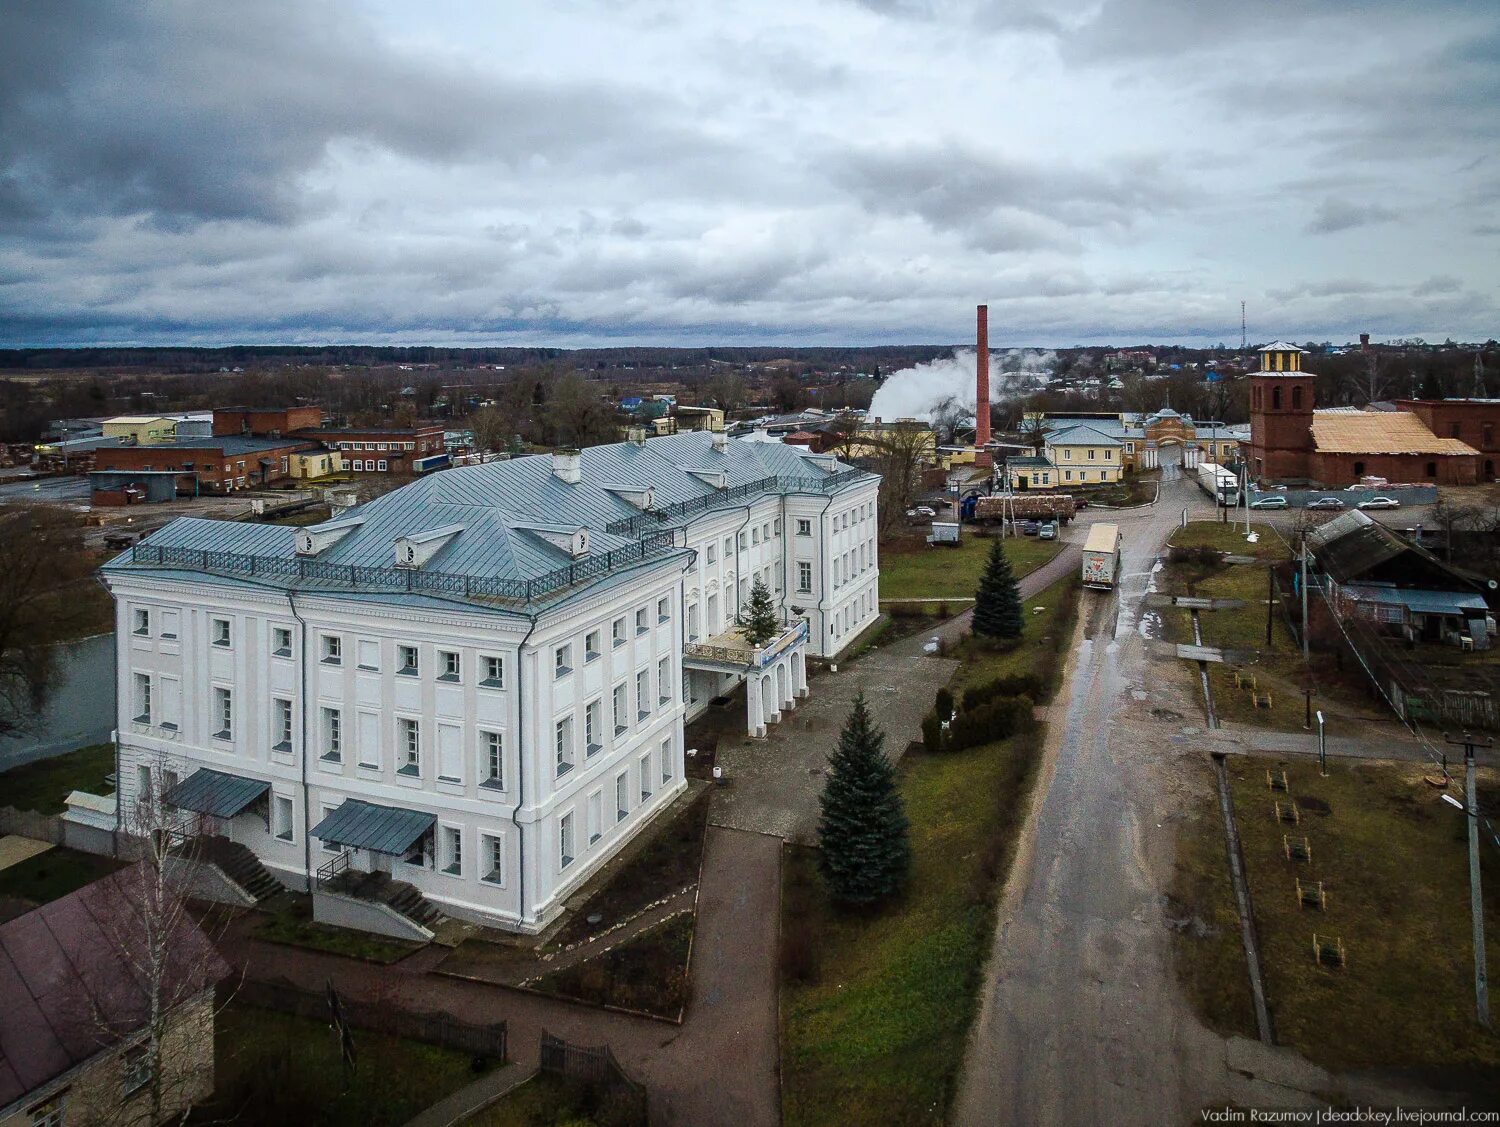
1446	441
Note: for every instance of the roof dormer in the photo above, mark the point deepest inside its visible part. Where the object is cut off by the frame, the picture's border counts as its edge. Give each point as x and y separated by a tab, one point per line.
315	538
414	551
642	497
574	540
717	478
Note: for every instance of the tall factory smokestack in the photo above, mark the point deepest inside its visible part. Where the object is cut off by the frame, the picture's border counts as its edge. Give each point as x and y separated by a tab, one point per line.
982	379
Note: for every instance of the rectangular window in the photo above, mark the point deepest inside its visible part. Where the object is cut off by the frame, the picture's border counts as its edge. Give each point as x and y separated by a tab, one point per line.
494	859
281	817
221	631
562	744
453	848
804	576
135	1069
744	541
591	723
622	796
142	620
223	714
664	680
617	632
407	660
640	622
755	536
643	694
450	748
647	782
804	526
333	649
281	641
621	707
383	464
492	747
590	646
776	526
596	816
494	673
333	735
562	661
713	554
369	654
663	610
666	761
329	846
169	704
49	1114
169	623
409	743
142	698
728	546
369	740
451	665
281	724
565	840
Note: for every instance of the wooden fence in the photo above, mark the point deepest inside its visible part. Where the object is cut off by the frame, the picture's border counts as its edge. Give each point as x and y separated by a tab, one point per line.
596	1065
434	1028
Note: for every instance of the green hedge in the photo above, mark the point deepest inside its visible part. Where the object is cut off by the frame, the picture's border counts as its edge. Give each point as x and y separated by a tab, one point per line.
1033	685
993	720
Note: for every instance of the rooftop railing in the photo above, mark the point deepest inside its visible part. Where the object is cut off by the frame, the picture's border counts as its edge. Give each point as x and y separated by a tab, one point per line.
302	571
635	526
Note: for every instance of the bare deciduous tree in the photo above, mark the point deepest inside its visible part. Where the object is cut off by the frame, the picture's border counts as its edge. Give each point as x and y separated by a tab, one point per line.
900	449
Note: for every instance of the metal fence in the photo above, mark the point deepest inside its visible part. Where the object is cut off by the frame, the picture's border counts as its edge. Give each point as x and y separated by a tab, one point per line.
433	1028
635	526
595	1065
313	573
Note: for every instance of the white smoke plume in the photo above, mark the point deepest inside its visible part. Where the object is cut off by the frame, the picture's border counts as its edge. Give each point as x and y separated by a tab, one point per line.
913	393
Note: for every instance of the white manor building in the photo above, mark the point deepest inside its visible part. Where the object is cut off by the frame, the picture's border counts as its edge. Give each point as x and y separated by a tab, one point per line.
475	687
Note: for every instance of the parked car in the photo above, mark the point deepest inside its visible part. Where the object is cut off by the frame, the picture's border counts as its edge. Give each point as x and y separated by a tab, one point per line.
1325	504
1049	531
1380	503
922	511
1030	527
1269	503
1080	503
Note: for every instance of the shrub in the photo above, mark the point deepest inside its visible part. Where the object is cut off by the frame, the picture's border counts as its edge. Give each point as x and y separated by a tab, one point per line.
944	704
1016	685
996	720
932	732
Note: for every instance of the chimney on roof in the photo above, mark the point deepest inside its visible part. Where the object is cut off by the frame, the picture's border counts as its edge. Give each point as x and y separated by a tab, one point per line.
636	436
721	441
567	465
982	378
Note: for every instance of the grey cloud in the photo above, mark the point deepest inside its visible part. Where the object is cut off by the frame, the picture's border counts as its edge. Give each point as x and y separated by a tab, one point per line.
1334	215
1438	284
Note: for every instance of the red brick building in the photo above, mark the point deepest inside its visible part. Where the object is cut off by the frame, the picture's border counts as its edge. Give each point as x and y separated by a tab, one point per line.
263	421
210	465
381	449
1422	441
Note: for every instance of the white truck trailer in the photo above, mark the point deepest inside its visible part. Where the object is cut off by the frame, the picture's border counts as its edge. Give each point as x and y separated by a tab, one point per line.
1101	557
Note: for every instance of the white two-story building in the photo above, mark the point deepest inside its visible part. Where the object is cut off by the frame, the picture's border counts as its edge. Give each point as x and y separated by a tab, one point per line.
465	696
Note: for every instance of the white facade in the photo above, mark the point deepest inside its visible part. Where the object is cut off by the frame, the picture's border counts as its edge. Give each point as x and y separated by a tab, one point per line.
541	742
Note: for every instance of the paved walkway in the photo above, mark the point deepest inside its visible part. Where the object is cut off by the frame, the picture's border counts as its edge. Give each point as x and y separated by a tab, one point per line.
719	1066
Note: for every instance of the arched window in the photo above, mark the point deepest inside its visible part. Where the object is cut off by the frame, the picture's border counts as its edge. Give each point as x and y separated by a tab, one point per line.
1296	399
1276	399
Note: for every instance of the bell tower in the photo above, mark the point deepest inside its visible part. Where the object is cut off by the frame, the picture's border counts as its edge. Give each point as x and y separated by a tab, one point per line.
1281	414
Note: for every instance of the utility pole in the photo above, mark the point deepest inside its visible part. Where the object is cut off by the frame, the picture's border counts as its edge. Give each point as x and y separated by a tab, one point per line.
1304	598
1270	600
1476	892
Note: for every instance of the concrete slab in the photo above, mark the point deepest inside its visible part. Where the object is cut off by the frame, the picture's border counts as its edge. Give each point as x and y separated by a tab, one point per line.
14	849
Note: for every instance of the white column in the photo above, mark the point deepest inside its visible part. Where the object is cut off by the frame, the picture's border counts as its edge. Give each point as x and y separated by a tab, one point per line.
769	695
784	688
799	668
754	717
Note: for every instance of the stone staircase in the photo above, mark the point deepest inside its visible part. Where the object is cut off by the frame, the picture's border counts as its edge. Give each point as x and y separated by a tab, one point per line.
394	894
240	866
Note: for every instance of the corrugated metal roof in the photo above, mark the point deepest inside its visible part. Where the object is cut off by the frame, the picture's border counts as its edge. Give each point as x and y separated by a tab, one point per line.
1422	600
381	829
497	503
1380	432
218	793
1082	435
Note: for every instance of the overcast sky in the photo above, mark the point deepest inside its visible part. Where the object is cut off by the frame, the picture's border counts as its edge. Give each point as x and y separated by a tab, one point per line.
582	172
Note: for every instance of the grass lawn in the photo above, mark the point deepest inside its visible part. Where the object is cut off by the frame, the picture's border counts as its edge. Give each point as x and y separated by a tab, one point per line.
1048	632
276	1068
647	973
1230	538
1394	862
43	784
294	926
876	1007
546	1100
51	875
1205	918
910	569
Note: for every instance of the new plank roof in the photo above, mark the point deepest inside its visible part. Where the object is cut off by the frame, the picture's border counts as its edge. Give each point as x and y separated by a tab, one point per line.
1380	432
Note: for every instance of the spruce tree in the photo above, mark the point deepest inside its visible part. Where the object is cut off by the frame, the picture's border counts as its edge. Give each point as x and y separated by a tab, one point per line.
759	620
863	830
997	602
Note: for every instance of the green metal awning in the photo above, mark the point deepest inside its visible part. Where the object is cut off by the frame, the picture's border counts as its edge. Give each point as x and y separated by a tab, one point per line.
216	793
380	829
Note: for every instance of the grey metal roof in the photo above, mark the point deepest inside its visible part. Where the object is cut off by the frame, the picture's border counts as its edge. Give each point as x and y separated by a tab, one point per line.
207	791
497	505
1082	435
380	829
231	444
1421	600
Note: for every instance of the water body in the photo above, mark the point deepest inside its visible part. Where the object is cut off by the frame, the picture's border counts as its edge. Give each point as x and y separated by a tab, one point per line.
81	709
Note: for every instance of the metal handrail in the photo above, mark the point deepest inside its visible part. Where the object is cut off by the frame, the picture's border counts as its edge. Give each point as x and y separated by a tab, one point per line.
633	526
329	871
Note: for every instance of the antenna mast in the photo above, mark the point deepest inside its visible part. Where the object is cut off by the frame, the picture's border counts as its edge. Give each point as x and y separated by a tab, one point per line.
1242	326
